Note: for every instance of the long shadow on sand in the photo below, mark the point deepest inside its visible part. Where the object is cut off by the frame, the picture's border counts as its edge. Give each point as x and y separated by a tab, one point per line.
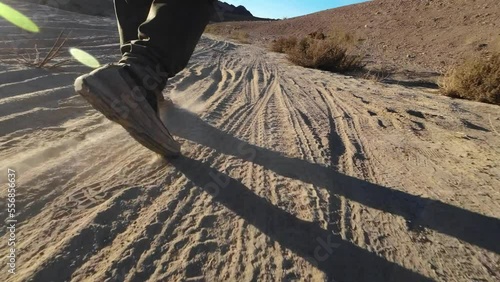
339	260
465	225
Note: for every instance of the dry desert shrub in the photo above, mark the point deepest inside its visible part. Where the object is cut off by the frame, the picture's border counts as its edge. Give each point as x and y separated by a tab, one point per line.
35	59
328	55
476	79
281	45
320	51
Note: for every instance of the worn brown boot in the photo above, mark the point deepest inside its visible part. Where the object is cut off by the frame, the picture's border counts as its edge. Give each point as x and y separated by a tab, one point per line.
113	91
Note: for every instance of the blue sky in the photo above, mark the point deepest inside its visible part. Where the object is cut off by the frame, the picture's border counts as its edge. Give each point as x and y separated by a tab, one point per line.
288	8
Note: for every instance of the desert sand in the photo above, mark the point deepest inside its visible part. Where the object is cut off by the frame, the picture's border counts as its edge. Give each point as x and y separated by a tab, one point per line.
287	174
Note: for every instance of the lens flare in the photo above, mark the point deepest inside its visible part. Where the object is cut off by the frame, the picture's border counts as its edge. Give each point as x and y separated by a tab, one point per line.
84	58
16	18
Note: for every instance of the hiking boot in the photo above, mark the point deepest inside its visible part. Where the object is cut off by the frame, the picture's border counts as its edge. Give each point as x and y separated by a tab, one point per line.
114	91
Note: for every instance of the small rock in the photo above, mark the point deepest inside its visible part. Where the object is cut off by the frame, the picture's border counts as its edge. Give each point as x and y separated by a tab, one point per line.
482	45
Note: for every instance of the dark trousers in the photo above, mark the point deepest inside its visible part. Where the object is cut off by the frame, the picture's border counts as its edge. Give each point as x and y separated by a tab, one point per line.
161	33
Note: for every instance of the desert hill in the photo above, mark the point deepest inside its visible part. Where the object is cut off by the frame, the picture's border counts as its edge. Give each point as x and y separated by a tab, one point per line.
228	12
417	35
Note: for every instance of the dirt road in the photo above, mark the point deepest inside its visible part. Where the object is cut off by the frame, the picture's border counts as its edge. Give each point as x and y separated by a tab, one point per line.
287	174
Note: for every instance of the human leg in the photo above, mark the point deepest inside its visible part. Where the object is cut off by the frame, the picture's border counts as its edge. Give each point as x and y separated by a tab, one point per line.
170	34
123	91
130	14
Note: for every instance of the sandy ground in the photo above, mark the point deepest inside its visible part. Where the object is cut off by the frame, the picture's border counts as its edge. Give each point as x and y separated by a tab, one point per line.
287	174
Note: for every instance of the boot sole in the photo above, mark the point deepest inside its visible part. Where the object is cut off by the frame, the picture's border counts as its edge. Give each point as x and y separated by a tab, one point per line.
129	109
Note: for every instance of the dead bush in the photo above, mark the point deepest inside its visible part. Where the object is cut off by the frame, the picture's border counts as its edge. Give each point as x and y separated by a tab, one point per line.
281	45
476	79
34	58
320	51
328	55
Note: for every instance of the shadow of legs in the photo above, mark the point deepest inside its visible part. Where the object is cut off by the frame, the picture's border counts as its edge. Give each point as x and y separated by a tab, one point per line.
462	224
340	260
